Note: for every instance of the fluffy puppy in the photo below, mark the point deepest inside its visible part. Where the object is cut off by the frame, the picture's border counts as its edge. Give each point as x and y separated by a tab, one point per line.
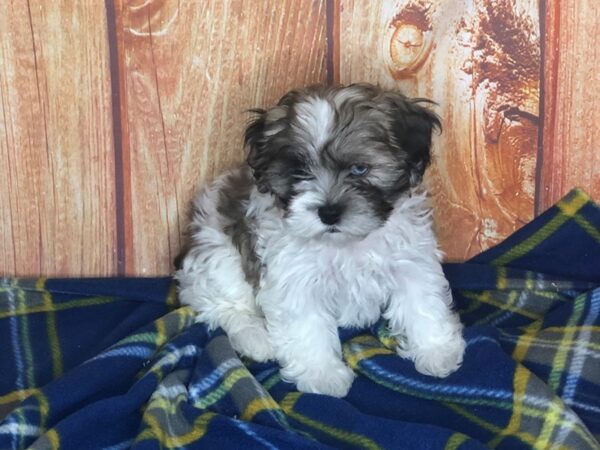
324	227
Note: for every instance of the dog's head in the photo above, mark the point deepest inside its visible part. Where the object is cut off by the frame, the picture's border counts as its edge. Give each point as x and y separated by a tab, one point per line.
337	158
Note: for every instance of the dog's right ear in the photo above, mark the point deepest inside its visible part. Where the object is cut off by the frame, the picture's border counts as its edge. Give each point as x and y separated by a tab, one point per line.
261	138
255	140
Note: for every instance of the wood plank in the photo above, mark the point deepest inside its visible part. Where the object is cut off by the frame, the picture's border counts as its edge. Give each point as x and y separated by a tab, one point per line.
480	61
571	136
56	159
191	69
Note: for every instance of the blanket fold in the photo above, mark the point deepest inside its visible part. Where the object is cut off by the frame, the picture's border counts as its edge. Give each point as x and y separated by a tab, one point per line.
118	363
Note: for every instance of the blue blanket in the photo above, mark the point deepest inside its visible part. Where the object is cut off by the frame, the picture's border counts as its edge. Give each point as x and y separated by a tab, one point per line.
116	363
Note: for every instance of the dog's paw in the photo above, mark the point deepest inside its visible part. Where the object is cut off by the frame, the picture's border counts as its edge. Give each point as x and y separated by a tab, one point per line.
333	378
254	343
439	360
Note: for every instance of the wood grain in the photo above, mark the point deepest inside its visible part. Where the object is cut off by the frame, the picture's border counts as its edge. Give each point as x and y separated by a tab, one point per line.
480	61
571	136
190	70
56	160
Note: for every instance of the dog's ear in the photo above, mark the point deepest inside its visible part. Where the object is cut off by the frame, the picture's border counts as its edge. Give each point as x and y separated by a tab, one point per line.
412	126
257	143
264	139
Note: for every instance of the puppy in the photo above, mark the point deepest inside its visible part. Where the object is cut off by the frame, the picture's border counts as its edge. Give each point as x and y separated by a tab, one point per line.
324	227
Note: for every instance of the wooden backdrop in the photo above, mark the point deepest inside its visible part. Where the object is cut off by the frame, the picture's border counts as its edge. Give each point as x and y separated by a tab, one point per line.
113	112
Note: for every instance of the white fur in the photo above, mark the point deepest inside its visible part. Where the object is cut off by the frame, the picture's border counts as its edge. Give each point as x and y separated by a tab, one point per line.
315	117
314	282
212	281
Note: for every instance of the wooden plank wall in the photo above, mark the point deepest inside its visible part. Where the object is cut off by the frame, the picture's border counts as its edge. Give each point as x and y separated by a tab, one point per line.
57	188
113	113
571	101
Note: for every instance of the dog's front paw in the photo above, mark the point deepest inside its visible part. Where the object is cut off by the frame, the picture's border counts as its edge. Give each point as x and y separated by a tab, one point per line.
439	360
333	378
254	343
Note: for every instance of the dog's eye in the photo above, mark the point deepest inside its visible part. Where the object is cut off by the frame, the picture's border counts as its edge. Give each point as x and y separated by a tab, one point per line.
301	174
358	170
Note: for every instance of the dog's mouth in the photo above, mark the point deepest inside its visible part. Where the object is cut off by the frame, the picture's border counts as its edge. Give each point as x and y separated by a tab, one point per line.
332	229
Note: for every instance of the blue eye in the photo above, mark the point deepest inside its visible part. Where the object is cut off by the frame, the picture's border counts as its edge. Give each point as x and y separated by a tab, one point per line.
358	171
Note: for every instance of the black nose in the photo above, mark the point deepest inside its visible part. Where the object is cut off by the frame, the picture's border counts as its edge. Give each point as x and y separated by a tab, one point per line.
330	214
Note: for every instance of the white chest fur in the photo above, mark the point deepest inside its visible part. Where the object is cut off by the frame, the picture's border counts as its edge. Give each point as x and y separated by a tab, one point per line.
351	280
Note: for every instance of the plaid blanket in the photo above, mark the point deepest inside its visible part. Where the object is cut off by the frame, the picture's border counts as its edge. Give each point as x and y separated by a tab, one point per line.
116	363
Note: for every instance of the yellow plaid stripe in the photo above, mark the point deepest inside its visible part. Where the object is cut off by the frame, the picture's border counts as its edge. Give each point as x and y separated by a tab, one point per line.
588	227
560	359
573	328
172	299
54	342
520	381
455	441
502	281
528	438
24	337
525	340
156	430
513	296
17	396
552	419
353	358
224	388
487	297
568	208
54	439
258	405
48	307
540	341
272	381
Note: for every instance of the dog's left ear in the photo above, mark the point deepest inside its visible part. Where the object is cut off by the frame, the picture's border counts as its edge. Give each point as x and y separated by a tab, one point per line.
412	126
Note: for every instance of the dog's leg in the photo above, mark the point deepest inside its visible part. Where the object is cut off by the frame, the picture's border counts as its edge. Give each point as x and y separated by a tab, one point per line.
420	316
307	345
213	283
